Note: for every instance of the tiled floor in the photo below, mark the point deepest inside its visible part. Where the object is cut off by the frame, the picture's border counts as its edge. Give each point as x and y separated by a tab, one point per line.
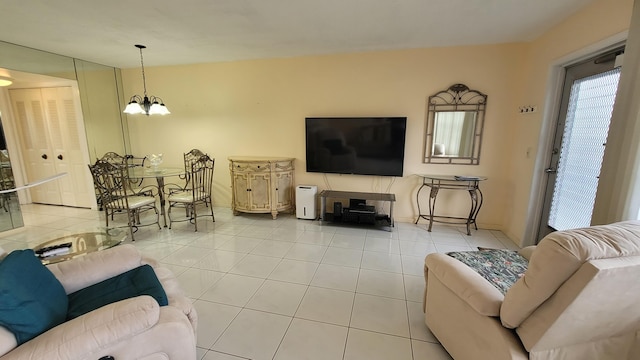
288	288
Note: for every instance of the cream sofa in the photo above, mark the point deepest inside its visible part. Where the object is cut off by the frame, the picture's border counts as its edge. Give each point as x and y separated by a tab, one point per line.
136	328
578	299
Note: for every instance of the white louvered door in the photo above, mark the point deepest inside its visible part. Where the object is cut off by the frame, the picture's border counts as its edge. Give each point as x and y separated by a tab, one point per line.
52	137
581	138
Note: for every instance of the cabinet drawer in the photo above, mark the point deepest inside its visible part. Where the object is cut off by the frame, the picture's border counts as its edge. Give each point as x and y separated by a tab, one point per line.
283	166
250	167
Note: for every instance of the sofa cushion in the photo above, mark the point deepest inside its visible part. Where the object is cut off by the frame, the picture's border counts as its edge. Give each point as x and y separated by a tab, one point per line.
558	256
502	268
135	282
32	300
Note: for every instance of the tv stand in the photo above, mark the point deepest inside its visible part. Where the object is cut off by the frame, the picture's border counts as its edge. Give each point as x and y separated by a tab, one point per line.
358	214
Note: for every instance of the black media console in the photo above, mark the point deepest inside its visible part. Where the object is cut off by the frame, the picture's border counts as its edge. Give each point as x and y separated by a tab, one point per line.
358	211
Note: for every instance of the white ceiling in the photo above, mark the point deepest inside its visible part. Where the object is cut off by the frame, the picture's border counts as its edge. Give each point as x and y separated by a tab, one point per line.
202	31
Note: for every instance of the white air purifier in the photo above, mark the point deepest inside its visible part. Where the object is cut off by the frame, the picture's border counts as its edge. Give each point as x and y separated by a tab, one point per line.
306	201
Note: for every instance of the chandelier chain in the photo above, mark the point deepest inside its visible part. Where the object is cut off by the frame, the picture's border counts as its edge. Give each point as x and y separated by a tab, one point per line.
144	80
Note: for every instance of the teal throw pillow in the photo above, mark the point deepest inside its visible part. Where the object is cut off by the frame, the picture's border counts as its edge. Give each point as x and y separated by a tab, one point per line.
32	300
139	281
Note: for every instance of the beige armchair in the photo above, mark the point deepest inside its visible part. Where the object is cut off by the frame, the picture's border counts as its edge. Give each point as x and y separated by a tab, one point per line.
578	299
136	328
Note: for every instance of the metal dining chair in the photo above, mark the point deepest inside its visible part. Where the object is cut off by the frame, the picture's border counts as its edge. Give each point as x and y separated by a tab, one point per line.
197	191
189	158
112	181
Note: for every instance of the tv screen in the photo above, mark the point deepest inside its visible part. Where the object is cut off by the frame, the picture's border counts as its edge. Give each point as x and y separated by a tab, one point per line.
362	145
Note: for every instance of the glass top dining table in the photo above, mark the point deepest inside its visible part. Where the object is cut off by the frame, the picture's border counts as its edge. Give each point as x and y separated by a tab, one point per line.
159	173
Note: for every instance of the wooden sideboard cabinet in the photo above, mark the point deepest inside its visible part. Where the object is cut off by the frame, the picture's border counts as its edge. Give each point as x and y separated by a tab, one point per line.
261	184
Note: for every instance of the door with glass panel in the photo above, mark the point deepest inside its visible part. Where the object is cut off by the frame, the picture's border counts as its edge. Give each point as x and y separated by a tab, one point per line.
581	136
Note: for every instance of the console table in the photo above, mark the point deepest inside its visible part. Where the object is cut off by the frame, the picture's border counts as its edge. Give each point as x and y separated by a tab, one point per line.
465	183
391	198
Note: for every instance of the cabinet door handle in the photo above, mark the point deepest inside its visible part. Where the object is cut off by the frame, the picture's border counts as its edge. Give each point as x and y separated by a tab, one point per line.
60	157
44	156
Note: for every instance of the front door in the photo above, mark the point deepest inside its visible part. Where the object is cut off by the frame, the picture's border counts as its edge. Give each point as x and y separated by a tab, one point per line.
581	136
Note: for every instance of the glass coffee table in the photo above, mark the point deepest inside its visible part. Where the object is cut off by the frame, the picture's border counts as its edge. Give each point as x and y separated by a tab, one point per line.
77	244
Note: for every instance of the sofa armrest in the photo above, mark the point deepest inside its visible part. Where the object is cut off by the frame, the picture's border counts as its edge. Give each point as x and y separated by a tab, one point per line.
97	266
175	294
467	284
526	252
84	336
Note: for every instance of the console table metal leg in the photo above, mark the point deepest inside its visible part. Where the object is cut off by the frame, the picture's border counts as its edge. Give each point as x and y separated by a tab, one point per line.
432	205
391	213
420	215
476	203
472	211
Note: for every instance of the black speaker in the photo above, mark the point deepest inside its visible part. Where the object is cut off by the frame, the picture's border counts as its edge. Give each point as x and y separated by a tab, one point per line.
337	209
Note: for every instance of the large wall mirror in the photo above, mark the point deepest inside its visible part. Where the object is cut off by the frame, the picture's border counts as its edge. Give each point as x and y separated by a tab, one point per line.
98	90
455	118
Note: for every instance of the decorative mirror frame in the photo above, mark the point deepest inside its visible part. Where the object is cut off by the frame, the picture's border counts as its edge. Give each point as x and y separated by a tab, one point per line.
458	97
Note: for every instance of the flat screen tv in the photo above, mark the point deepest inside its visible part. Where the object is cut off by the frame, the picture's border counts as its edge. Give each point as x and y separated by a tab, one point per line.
356	145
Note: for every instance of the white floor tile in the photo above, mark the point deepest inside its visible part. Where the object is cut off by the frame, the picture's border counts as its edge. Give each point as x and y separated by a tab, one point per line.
214	355
187	256
413	265
240	244
311	340
343	257
284	234
381	283
306	252
417	248
353	231
426	350
414	235
253	334
233	290
259	232
366	345
211	240
220	260
272	248
255	265
382	234
315	238
417	326
277	297
295	271
159	250
379	314
195	282
380	261
214	319
414	287
348	241
326	305
389	246
445	248
336	277
450	239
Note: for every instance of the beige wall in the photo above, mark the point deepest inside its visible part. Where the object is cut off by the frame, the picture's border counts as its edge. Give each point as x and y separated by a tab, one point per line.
258	108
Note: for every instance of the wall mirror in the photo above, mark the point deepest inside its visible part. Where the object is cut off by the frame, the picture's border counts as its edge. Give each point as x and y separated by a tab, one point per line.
455	118
10	214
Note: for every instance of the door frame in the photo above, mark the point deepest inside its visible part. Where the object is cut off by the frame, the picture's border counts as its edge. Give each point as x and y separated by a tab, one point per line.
555	81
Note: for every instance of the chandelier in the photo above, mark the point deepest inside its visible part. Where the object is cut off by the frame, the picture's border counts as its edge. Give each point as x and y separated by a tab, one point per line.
148	105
